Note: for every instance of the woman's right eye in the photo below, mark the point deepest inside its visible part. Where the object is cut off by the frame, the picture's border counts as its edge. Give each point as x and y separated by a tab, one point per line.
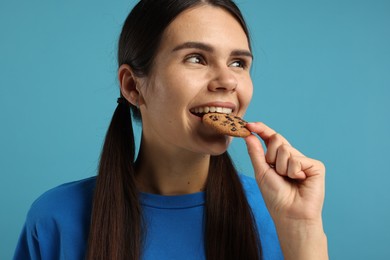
195	58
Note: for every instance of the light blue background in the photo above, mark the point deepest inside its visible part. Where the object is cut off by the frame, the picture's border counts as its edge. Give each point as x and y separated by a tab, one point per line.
321	75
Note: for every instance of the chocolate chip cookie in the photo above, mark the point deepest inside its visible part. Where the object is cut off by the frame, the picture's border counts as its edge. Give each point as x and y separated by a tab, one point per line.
226	124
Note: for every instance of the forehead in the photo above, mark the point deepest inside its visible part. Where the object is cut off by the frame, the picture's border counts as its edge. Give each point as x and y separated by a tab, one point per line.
209	24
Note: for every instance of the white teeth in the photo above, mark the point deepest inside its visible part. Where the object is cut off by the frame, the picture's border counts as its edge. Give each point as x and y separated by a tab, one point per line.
224	110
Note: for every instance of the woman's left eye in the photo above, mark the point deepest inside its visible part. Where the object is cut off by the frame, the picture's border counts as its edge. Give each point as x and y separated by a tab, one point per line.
195	58
238	64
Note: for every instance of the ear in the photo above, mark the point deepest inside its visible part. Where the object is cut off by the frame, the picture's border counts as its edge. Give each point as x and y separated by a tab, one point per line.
128	84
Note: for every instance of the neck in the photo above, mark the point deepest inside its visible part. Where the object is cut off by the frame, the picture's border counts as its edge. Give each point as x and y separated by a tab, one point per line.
171	172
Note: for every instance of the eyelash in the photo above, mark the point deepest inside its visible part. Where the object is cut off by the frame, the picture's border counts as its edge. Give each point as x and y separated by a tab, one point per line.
243	64
197	56
201	60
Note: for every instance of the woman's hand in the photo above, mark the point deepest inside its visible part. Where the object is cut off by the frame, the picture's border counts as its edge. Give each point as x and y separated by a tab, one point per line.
293	189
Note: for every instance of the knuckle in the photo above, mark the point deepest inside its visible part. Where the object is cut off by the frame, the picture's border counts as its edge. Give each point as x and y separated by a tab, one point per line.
318	163
285	148
321	165
295	160
277	137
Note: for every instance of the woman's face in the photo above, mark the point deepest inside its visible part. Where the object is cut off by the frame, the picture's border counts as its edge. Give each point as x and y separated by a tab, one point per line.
203	61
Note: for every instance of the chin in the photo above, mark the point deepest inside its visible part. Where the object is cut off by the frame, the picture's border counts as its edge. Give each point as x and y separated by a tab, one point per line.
219	147
217	153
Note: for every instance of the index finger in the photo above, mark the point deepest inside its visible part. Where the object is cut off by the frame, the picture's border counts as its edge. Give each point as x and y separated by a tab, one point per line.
264	131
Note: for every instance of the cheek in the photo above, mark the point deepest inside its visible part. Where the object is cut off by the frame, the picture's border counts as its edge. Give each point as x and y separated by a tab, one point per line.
167	96
250	93
246	94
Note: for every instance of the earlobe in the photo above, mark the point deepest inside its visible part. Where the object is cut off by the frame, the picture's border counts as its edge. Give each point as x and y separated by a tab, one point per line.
128	84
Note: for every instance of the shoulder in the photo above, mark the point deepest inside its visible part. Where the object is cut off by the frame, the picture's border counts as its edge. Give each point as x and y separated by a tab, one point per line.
61	201
251	188
57	223
265	225
248	182
254	197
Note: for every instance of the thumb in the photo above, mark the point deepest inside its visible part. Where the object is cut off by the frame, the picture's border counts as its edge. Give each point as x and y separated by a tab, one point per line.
257	155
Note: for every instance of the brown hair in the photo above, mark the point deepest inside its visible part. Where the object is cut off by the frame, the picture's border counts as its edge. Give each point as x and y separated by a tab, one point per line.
116	230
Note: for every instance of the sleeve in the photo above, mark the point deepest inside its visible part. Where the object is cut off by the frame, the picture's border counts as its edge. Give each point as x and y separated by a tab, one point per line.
39	238
57	224
28	246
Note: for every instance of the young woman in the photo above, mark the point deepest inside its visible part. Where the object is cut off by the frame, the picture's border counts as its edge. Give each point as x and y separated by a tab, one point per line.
180	197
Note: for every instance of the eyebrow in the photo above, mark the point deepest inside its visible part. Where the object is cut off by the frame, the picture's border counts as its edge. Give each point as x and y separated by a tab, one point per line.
208	48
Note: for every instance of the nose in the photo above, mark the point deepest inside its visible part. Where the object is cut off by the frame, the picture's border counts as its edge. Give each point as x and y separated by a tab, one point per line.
223	80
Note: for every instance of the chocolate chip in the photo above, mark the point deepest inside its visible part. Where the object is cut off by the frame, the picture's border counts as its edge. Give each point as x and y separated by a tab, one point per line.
214	117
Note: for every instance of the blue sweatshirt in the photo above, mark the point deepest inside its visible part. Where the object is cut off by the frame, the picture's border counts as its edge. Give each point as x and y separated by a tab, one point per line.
57	224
